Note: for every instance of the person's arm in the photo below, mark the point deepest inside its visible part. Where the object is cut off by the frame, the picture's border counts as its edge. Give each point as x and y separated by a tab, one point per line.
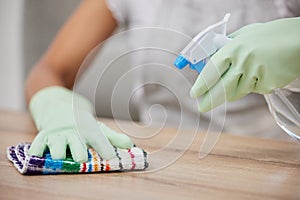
64	118
91	23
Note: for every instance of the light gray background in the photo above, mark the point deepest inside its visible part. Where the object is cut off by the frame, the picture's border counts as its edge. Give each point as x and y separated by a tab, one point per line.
28	27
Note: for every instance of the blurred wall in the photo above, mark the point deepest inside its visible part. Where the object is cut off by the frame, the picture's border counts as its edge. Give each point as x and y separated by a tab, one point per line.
11	66
42	19
35	24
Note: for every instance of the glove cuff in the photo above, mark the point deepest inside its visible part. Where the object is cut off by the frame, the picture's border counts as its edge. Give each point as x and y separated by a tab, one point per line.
56	99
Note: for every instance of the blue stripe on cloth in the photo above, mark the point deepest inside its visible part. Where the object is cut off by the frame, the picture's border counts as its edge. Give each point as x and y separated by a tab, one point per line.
90	166
52	166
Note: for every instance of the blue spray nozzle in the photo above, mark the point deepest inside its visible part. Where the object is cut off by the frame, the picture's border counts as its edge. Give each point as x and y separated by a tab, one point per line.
181	62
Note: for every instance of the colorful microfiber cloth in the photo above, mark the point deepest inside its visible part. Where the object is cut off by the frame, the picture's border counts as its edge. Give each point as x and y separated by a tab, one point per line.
127	160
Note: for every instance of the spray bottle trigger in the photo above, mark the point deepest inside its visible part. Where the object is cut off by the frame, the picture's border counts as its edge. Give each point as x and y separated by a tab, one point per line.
198	66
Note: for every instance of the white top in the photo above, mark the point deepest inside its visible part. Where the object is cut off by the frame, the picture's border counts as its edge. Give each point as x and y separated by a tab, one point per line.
159	29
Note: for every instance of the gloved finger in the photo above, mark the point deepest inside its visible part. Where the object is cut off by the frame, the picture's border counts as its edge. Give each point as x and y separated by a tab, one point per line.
223	90
87	125
77	147
38	146
117	139
244	29
245	85
211	74
57	145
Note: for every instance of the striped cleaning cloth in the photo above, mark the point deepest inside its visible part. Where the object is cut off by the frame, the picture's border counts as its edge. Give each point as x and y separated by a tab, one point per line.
126	160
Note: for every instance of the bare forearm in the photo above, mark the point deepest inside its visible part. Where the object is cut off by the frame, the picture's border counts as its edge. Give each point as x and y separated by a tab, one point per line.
39	78
89	25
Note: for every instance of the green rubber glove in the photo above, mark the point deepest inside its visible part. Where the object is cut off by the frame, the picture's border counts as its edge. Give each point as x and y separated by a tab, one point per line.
65	118
260	58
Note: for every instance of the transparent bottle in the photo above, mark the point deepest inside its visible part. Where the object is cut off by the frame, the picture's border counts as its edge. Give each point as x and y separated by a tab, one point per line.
284	105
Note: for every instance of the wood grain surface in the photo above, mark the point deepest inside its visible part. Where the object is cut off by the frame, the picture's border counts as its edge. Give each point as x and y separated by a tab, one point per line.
237	168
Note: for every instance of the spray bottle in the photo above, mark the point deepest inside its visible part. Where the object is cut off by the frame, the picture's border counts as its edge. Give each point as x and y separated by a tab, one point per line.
284	103
203	46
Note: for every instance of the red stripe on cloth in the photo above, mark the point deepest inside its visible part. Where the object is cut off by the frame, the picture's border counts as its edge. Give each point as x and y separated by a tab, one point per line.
132	159
83	167
107	166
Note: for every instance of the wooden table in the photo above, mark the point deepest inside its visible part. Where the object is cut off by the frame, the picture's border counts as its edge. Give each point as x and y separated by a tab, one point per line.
237	168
